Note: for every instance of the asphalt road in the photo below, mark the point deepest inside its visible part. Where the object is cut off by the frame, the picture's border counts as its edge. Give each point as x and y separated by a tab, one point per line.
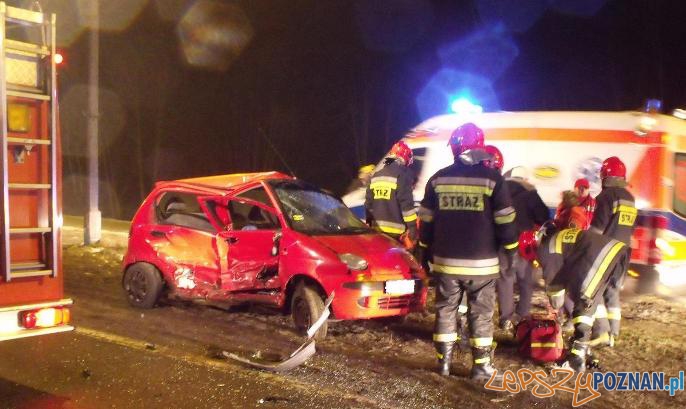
95	369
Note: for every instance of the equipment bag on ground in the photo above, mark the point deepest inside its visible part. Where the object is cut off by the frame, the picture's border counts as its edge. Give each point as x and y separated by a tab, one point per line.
540	338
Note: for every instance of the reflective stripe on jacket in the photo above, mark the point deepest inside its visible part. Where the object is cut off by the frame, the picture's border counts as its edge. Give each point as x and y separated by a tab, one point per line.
580	261
466	216
615	214
389	203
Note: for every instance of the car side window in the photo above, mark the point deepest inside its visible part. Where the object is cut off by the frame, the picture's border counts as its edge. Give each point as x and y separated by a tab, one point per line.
182	209
257	194
249	216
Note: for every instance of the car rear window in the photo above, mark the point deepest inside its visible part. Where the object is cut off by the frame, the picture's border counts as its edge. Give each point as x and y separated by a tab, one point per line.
182	209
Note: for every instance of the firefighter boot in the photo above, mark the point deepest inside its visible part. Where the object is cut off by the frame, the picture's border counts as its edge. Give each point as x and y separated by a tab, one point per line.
576	359
444	352
483	369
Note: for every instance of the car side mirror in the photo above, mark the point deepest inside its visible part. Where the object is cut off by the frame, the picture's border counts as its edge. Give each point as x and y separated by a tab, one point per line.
276	240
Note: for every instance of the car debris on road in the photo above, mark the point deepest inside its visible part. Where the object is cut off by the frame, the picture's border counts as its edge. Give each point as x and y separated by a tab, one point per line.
299	356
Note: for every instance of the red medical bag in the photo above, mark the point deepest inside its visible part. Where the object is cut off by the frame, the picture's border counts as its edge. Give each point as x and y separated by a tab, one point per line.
540	338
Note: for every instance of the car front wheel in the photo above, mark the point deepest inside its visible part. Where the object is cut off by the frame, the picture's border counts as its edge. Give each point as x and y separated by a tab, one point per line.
143	285
306	307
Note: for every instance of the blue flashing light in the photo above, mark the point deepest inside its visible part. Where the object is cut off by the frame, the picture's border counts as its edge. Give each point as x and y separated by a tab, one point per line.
464	106
446	86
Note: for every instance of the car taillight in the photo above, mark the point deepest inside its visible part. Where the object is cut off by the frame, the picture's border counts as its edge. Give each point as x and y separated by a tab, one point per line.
45	317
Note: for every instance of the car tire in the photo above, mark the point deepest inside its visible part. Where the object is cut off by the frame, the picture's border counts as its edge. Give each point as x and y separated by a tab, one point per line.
143	285
306	307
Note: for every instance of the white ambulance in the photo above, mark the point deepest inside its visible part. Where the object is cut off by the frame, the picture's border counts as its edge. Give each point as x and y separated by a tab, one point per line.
556	148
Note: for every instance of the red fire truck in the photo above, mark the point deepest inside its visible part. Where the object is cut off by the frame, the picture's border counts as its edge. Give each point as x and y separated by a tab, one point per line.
31	281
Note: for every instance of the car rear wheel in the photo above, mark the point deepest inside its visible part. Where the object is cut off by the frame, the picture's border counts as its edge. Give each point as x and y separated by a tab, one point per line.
143	285
306	307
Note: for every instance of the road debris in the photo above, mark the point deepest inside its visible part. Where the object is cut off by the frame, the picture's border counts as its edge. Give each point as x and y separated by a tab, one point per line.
298	357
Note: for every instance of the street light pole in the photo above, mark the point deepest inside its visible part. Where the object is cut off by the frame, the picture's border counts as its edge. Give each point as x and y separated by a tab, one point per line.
93	220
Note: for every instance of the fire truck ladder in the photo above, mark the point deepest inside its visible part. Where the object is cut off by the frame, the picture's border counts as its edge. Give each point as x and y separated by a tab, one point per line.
29	220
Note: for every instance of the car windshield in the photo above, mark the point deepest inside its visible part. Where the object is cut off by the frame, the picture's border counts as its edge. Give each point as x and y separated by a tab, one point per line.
314	212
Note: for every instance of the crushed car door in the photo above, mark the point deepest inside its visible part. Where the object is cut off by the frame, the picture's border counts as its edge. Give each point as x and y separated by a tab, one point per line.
246	244
183	238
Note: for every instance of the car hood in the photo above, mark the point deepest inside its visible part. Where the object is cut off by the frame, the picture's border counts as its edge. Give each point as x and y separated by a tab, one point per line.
381	252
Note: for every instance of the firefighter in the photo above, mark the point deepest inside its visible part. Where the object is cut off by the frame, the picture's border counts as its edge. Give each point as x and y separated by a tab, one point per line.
582	264
586	201
466	216
614	216
389	203
364	173
530	211
496	159
569	215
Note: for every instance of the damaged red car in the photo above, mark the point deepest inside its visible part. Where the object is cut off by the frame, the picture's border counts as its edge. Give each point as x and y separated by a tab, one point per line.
266	238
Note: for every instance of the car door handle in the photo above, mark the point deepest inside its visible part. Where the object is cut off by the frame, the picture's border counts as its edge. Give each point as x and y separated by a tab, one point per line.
232	240
157	233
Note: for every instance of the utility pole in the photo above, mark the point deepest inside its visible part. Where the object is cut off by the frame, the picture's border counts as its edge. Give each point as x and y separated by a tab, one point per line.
93	220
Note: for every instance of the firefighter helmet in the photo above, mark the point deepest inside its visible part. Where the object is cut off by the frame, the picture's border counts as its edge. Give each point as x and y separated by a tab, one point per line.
467	136
401	151
612	167
530	239
528	245
498	161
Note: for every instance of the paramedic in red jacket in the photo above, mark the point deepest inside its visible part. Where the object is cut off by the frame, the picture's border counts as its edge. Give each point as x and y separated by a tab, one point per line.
586	201
582	264
466	218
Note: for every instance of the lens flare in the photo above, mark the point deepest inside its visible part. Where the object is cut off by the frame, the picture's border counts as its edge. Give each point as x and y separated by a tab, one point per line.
213	34
487	52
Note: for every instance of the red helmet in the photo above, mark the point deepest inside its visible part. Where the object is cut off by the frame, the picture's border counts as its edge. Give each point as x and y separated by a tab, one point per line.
613	167
583	182
401	151
498	161
466	137
528	245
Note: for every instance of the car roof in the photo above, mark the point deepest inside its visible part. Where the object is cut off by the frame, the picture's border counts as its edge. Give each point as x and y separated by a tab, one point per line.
227	182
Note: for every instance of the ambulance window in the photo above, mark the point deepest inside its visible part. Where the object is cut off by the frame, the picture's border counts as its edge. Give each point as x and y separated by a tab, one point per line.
680	184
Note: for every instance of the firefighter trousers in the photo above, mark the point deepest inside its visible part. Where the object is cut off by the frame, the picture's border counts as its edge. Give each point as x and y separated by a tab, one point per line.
480	294
522	273
585	310
609	313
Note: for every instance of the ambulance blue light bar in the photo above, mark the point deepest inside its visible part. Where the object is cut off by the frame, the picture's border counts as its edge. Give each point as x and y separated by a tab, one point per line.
464	106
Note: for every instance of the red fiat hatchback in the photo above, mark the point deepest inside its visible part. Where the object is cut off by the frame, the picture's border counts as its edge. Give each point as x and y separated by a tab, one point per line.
266	238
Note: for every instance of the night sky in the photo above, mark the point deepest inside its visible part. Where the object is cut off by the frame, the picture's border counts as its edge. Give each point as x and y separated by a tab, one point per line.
331	84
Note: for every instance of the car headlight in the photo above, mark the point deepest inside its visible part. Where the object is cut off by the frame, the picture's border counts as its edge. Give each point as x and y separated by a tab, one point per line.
353	262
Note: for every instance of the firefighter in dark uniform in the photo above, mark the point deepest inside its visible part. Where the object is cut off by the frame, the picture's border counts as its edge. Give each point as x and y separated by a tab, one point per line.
581	263
389	203
466	216
530	211
614	216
